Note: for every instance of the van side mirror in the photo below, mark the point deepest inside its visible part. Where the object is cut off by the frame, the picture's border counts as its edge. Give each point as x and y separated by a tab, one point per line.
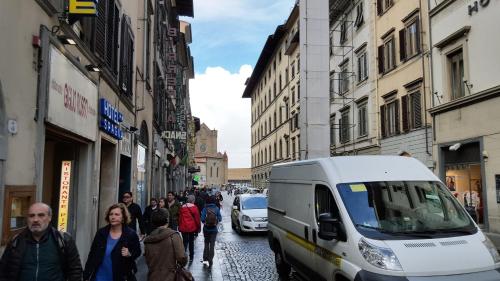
331	228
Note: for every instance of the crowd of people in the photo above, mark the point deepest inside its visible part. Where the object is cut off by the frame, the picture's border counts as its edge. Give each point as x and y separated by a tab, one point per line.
168	228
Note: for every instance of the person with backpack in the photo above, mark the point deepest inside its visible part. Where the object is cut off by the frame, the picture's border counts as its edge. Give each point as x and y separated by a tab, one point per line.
189	224
210	216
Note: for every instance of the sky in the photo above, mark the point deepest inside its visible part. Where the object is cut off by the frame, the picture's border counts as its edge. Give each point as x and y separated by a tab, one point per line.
228	36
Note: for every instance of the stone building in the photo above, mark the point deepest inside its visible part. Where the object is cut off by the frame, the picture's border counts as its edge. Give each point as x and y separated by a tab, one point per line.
213	165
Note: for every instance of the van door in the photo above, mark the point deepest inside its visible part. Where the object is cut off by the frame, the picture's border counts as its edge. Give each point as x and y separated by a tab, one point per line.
328	253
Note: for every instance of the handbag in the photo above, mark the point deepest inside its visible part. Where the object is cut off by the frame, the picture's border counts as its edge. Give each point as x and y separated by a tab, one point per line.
181	274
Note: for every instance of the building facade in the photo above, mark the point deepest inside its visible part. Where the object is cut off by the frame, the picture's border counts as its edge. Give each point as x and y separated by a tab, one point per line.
240	176
354	126
212	165
76	109
403	85
465	104
274	88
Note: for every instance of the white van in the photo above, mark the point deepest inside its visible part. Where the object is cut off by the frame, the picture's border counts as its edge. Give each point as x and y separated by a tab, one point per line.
373	218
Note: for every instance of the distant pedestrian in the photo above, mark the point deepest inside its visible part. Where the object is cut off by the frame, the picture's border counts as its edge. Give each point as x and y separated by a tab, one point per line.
218	199
147	215
59	260
135	212
189	224
210	216
162	203
114	249
163	249
173	208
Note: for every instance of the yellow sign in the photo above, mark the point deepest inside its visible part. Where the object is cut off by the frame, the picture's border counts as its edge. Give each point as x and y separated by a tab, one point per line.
62	221
358	187
83	7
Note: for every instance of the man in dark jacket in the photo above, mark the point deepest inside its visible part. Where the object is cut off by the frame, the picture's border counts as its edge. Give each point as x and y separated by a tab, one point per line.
135	213
147	215
40	252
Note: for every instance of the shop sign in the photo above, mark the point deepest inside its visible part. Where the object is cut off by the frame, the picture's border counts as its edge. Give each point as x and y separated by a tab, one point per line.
126	144
62	221
72	97
173	135
110	119
83	7
171	64
475	6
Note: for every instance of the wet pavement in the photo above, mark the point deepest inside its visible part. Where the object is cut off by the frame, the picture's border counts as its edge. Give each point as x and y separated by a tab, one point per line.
237	257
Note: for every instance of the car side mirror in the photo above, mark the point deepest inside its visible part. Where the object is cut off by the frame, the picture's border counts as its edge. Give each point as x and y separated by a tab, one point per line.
331	228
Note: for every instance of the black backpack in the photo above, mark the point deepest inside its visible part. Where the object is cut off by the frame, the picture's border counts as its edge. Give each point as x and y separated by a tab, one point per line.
211	218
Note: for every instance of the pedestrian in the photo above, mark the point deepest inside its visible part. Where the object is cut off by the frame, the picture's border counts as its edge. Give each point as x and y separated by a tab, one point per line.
147	215
162	202
189	224
114	249
163	249
60	260
135	213
218	199
173	208
210	216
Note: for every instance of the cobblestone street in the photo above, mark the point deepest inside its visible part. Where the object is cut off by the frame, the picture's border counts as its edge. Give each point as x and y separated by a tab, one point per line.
238	257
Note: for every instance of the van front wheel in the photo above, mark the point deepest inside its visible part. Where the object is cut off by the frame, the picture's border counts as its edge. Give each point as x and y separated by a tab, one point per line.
282	266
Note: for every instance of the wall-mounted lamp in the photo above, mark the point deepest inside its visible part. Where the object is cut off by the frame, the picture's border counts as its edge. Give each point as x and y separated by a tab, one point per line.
66	40
455	147
92	68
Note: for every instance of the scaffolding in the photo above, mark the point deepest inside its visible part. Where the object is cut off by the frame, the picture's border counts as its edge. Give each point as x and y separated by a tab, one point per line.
342	51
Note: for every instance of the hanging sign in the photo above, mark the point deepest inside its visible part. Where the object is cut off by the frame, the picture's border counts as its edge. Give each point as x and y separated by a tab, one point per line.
83	7
110	119
62	221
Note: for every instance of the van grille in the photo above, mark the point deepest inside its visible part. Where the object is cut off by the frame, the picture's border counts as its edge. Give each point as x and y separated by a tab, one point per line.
419	245
453	243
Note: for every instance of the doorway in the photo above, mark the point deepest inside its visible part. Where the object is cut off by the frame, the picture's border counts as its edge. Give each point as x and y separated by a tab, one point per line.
107	184
125	169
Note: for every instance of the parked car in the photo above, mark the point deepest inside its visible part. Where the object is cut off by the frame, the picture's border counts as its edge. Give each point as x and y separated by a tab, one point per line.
249	213
373	218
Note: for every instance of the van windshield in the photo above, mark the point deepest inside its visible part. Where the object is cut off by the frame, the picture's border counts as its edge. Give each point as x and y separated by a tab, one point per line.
405	209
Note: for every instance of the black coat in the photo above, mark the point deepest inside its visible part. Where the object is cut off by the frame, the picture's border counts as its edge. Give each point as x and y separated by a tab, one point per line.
136	215
10	264
148	225
124	268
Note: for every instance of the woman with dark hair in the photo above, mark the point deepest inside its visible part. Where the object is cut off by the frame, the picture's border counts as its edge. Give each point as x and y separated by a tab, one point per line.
163	249
114	249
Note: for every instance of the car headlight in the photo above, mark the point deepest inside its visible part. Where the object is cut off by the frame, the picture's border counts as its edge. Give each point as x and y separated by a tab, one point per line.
246	218
492	249
380	257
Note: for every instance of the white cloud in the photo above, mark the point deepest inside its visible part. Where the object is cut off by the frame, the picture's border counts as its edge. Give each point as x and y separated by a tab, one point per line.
216	100
238	11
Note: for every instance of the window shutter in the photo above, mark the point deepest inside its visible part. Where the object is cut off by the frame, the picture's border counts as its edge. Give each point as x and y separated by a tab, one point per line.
396	122
417	108
402	44
381	59
393	53
404	105
417	24
382	121
365	61
114	44
100	29
361	19
379	7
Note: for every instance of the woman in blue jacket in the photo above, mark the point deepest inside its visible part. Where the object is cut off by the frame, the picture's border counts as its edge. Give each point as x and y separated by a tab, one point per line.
114	249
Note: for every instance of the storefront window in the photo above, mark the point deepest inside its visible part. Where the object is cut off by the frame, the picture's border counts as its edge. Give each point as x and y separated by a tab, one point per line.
464	182
17	203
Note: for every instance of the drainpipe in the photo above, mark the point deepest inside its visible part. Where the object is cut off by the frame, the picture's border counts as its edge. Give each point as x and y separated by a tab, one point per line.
423	75
431	72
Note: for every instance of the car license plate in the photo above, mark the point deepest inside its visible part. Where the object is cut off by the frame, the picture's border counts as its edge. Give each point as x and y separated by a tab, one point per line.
262	225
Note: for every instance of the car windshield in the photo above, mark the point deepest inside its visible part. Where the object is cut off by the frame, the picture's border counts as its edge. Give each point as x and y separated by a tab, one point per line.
254	203
404	208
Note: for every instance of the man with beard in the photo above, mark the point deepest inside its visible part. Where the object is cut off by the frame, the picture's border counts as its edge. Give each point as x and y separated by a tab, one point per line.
135	213
40	252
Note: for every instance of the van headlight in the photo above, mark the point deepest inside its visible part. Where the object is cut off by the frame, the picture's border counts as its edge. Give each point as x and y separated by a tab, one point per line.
245	218
492	249
380	257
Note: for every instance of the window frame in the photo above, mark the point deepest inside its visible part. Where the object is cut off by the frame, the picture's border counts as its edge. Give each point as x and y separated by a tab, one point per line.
344	128
362	72
389	53
451	58
362	119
